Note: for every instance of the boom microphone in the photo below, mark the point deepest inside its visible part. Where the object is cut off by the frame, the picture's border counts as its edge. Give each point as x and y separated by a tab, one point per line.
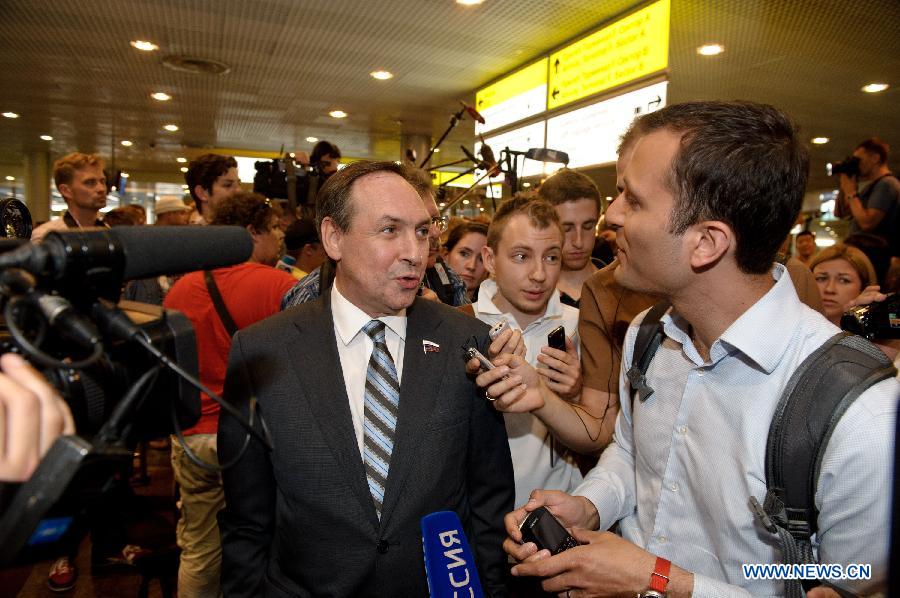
472	112
544	154
132	251
449	564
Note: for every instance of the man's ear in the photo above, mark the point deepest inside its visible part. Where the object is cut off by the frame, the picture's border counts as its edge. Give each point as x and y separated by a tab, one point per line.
709	241
65	190
487	256
332	237
201	193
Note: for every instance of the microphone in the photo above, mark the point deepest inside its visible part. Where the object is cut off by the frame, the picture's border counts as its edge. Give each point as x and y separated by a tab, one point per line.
132	251
472	112
543	154
489	161
449	564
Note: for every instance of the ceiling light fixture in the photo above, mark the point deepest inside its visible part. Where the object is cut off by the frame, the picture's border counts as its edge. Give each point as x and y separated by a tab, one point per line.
183	169
127	143
160	96
10	178
144	46
312	139
382	75
820	140
469	2
125	175
10	115
437	150
47	137
181	160
870	88
337	114
710	49
171	128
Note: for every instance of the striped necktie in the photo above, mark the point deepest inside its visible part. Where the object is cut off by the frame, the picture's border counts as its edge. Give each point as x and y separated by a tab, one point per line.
380	413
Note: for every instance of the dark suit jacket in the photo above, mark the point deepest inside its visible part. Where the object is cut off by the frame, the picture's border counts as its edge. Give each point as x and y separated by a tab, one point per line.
300	521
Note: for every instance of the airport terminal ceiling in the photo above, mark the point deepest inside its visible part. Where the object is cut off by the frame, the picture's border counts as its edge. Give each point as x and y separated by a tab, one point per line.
68	71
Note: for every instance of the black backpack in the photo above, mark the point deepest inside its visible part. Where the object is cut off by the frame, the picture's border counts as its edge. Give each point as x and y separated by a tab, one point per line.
816	396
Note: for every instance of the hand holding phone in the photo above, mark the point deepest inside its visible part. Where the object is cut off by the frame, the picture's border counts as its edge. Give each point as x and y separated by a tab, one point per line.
545	530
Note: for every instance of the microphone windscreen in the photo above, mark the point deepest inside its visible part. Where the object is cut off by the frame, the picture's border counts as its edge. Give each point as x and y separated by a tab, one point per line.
449	563
155	250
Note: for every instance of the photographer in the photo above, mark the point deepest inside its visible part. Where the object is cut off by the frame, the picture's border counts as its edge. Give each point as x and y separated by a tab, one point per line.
872	198
32	417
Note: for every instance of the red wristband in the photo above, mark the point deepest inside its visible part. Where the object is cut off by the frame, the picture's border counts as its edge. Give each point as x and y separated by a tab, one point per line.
660	577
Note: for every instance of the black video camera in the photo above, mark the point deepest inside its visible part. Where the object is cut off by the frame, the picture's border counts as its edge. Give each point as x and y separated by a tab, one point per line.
271	180
878	320
848	166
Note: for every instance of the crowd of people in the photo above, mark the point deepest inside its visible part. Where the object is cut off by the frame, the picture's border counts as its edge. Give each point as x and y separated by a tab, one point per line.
340	338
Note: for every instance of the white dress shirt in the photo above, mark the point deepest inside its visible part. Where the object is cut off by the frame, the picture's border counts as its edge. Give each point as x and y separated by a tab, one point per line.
536	464
680	472
355	348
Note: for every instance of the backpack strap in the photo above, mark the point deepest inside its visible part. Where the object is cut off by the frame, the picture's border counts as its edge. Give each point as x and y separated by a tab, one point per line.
649	337
817	395
219	304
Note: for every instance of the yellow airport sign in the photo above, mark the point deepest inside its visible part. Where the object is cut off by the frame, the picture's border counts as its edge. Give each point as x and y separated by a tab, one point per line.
628	49
524	79
439	177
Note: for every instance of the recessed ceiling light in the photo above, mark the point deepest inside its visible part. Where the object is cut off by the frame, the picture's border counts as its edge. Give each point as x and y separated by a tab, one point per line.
160	96
125	175
171	128
127	143
870	88
820	140
183	169
181	160
10	115
437	150
465	202
184	187
337	114
47	137
312	139
469	2
710	49
144	46
382	75
10	178
441	205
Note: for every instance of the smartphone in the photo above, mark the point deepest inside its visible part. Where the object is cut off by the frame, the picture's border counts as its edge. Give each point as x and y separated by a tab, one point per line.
498	328
545	530
484	361
557	338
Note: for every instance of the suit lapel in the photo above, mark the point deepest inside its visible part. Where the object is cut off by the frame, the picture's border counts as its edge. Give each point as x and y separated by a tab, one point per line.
419	391
326	396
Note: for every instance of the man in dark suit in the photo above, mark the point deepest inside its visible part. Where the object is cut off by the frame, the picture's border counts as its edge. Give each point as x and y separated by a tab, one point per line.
374	427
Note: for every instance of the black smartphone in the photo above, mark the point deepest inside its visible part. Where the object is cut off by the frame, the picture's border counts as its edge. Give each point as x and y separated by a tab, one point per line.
557	338
545	530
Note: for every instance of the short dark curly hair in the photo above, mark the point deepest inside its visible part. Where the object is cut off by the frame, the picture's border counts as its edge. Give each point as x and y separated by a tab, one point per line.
246	208
205	170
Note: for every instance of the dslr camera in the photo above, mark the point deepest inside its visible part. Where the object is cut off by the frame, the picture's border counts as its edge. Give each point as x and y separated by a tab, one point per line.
848	166
879	320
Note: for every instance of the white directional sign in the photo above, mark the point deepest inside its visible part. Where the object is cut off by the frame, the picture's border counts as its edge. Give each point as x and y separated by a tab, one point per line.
591	134
518	140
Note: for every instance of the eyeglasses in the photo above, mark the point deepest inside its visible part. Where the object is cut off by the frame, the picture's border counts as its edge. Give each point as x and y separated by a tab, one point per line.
440	222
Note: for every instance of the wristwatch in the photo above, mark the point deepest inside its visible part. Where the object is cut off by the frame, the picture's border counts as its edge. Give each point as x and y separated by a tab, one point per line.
659	579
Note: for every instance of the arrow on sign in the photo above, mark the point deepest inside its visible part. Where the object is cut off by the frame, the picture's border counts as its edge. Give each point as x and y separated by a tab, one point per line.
655	102
556	66
555	93
480	103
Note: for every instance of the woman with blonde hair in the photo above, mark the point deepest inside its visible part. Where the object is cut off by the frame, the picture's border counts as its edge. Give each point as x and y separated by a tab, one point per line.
842	273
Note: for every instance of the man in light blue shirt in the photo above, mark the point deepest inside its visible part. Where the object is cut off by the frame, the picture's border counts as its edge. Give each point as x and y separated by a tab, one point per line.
710	191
